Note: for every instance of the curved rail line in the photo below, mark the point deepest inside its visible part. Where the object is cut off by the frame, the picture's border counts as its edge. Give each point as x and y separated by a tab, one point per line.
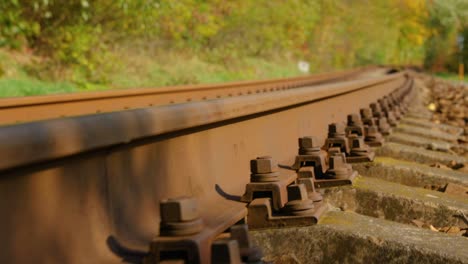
27	109
87	188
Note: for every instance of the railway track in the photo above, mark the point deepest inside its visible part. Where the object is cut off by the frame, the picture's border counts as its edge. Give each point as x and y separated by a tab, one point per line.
107	187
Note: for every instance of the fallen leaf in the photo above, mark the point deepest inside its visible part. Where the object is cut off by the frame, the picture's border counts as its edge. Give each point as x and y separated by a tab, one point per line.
453	230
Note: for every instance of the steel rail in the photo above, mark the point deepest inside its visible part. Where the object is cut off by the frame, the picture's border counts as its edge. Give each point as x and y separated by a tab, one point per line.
73	188
92	132
27	109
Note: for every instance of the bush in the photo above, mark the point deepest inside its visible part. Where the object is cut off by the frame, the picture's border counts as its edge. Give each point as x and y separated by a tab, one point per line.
76	39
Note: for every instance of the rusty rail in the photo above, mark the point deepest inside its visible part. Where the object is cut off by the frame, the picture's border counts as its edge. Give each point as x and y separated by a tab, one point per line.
87	188
27	109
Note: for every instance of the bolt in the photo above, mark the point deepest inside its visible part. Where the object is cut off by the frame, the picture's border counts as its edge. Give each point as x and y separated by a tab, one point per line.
309	142
338	168
383	104
308	145
391	119
306	176
306	172
375	108
179	209
357	142
388	100
359	148
383	125
297	192
298	200
372	134
249	252
366	113
371	130
265	164
179	217
336	130
334	151
354	119
336	161
225	251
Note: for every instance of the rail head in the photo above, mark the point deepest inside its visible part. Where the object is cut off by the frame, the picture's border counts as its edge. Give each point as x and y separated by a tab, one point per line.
35	108
63	98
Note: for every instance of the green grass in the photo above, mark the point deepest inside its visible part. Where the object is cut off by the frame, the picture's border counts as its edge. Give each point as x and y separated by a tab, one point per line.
15	81
176	69
450	76
141	70
28	87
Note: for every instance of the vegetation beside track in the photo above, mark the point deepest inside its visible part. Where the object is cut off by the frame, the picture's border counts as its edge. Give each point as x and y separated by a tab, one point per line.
51	46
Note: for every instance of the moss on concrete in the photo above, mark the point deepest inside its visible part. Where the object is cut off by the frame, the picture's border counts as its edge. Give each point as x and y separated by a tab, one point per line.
417	154
427	133
418	141
429	124
387	200
410	173
346	237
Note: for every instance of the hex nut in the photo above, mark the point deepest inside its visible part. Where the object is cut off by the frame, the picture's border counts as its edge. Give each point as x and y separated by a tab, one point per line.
370	130
297	192
306	172
225	250
179	209
337	161
388	101
309	142
354	119
357	142
263	165
336	129
334	151
375	108
366	112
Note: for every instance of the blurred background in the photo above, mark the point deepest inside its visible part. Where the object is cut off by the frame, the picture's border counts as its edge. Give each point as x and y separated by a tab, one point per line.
56	46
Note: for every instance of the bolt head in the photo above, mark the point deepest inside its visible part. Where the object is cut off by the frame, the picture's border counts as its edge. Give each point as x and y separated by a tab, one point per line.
306	172
375	107
179	209
308	183
366	112
264	164
336	128
309	142
381	121
297	192
337	161
371	122
357	142
225	251
334	151
354	119
388	100
371	130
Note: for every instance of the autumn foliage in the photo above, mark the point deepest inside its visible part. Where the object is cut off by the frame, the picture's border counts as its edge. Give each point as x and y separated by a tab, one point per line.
330	34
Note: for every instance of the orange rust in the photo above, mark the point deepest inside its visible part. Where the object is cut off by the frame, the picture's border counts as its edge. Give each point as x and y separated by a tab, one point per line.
70	188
